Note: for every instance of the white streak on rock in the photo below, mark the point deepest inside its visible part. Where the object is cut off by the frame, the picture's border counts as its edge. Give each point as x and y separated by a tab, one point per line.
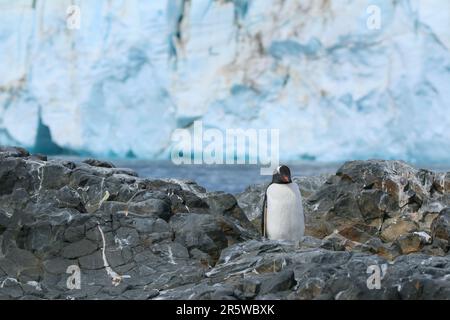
8	214
40	175
8	279
171	260
35	284
116	278
105	197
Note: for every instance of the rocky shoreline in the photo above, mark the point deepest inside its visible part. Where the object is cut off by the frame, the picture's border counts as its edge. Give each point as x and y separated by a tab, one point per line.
135	238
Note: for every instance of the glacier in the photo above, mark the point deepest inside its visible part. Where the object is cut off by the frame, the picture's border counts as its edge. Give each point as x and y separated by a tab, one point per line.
136	70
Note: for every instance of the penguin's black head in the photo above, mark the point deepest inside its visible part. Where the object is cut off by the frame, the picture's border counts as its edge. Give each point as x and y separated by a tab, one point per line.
282	175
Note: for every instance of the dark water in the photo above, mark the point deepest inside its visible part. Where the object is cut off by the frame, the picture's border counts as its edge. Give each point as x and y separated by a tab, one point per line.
229	178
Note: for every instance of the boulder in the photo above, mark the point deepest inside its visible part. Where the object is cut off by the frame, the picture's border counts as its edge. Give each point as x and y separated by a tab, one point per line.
6	152
281	281
440	227
99	163
208	233
383	195
394	228
411	242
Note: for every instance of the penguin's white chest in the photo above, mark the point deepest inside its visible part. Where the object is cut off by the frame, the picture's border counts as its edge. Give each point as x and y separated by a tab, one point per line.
285	220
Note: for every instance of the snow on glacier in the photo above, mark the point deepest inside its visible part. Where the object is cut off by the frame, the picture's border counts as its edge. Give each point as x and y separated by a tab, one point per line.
136	70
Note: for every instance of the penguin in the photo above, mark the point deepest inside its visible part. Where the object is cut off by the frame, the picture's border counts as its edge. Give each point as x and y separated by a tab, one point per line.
282	212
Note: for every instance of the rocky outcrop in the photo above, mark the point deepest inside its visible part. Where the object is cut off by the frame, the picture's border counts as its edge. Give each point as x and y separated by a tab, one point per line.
440	228
89	230
387	206
130	237
277	270
385	199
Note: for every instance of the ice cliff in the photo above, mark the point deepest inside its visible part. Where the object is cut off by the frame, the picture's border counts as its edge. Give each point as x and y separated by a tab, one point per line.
336	86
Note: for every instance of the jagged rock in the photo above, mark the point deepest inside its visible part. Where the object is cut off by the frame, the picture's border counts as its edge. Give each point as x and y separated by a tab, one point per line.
442	182
384	195
99	163
38	156
411	242
385	250
157	206
135	238
426	222
394	228
321	273
438	247
53	175
280	281
308	290
208	233
204	258
69	198
440	230
358	232
447	183
6	152
440	227
251	200
226	205
57	265
11	289
78	249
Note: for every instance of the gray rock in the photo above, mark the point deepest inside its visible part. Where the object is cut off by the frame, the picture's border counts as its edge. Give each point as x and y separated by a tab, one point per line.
139	294
281	281
149	225
208	233
99	163
440	227
18	152
93	261
171	239
57	265
69	198
411	242
159	207
79	249
226	205
371	193
11	288
53	176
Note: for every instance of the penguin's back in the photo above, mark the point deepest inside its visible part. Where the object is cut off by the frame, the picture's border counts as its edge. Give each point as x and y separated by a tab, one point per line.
285	220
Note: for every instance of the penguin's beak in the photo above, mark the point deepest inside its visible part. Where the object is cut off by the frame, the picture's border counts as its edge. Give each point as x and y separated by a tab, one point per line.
285	178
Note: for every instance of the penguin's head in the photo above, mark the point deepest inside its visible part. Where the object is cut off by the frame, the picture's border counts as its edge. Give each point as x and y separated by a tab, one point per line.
282	175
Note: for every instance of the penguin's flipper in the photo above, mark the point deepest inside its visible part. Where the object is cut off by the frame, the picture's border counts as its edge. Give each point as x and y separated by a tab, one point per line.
264	216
